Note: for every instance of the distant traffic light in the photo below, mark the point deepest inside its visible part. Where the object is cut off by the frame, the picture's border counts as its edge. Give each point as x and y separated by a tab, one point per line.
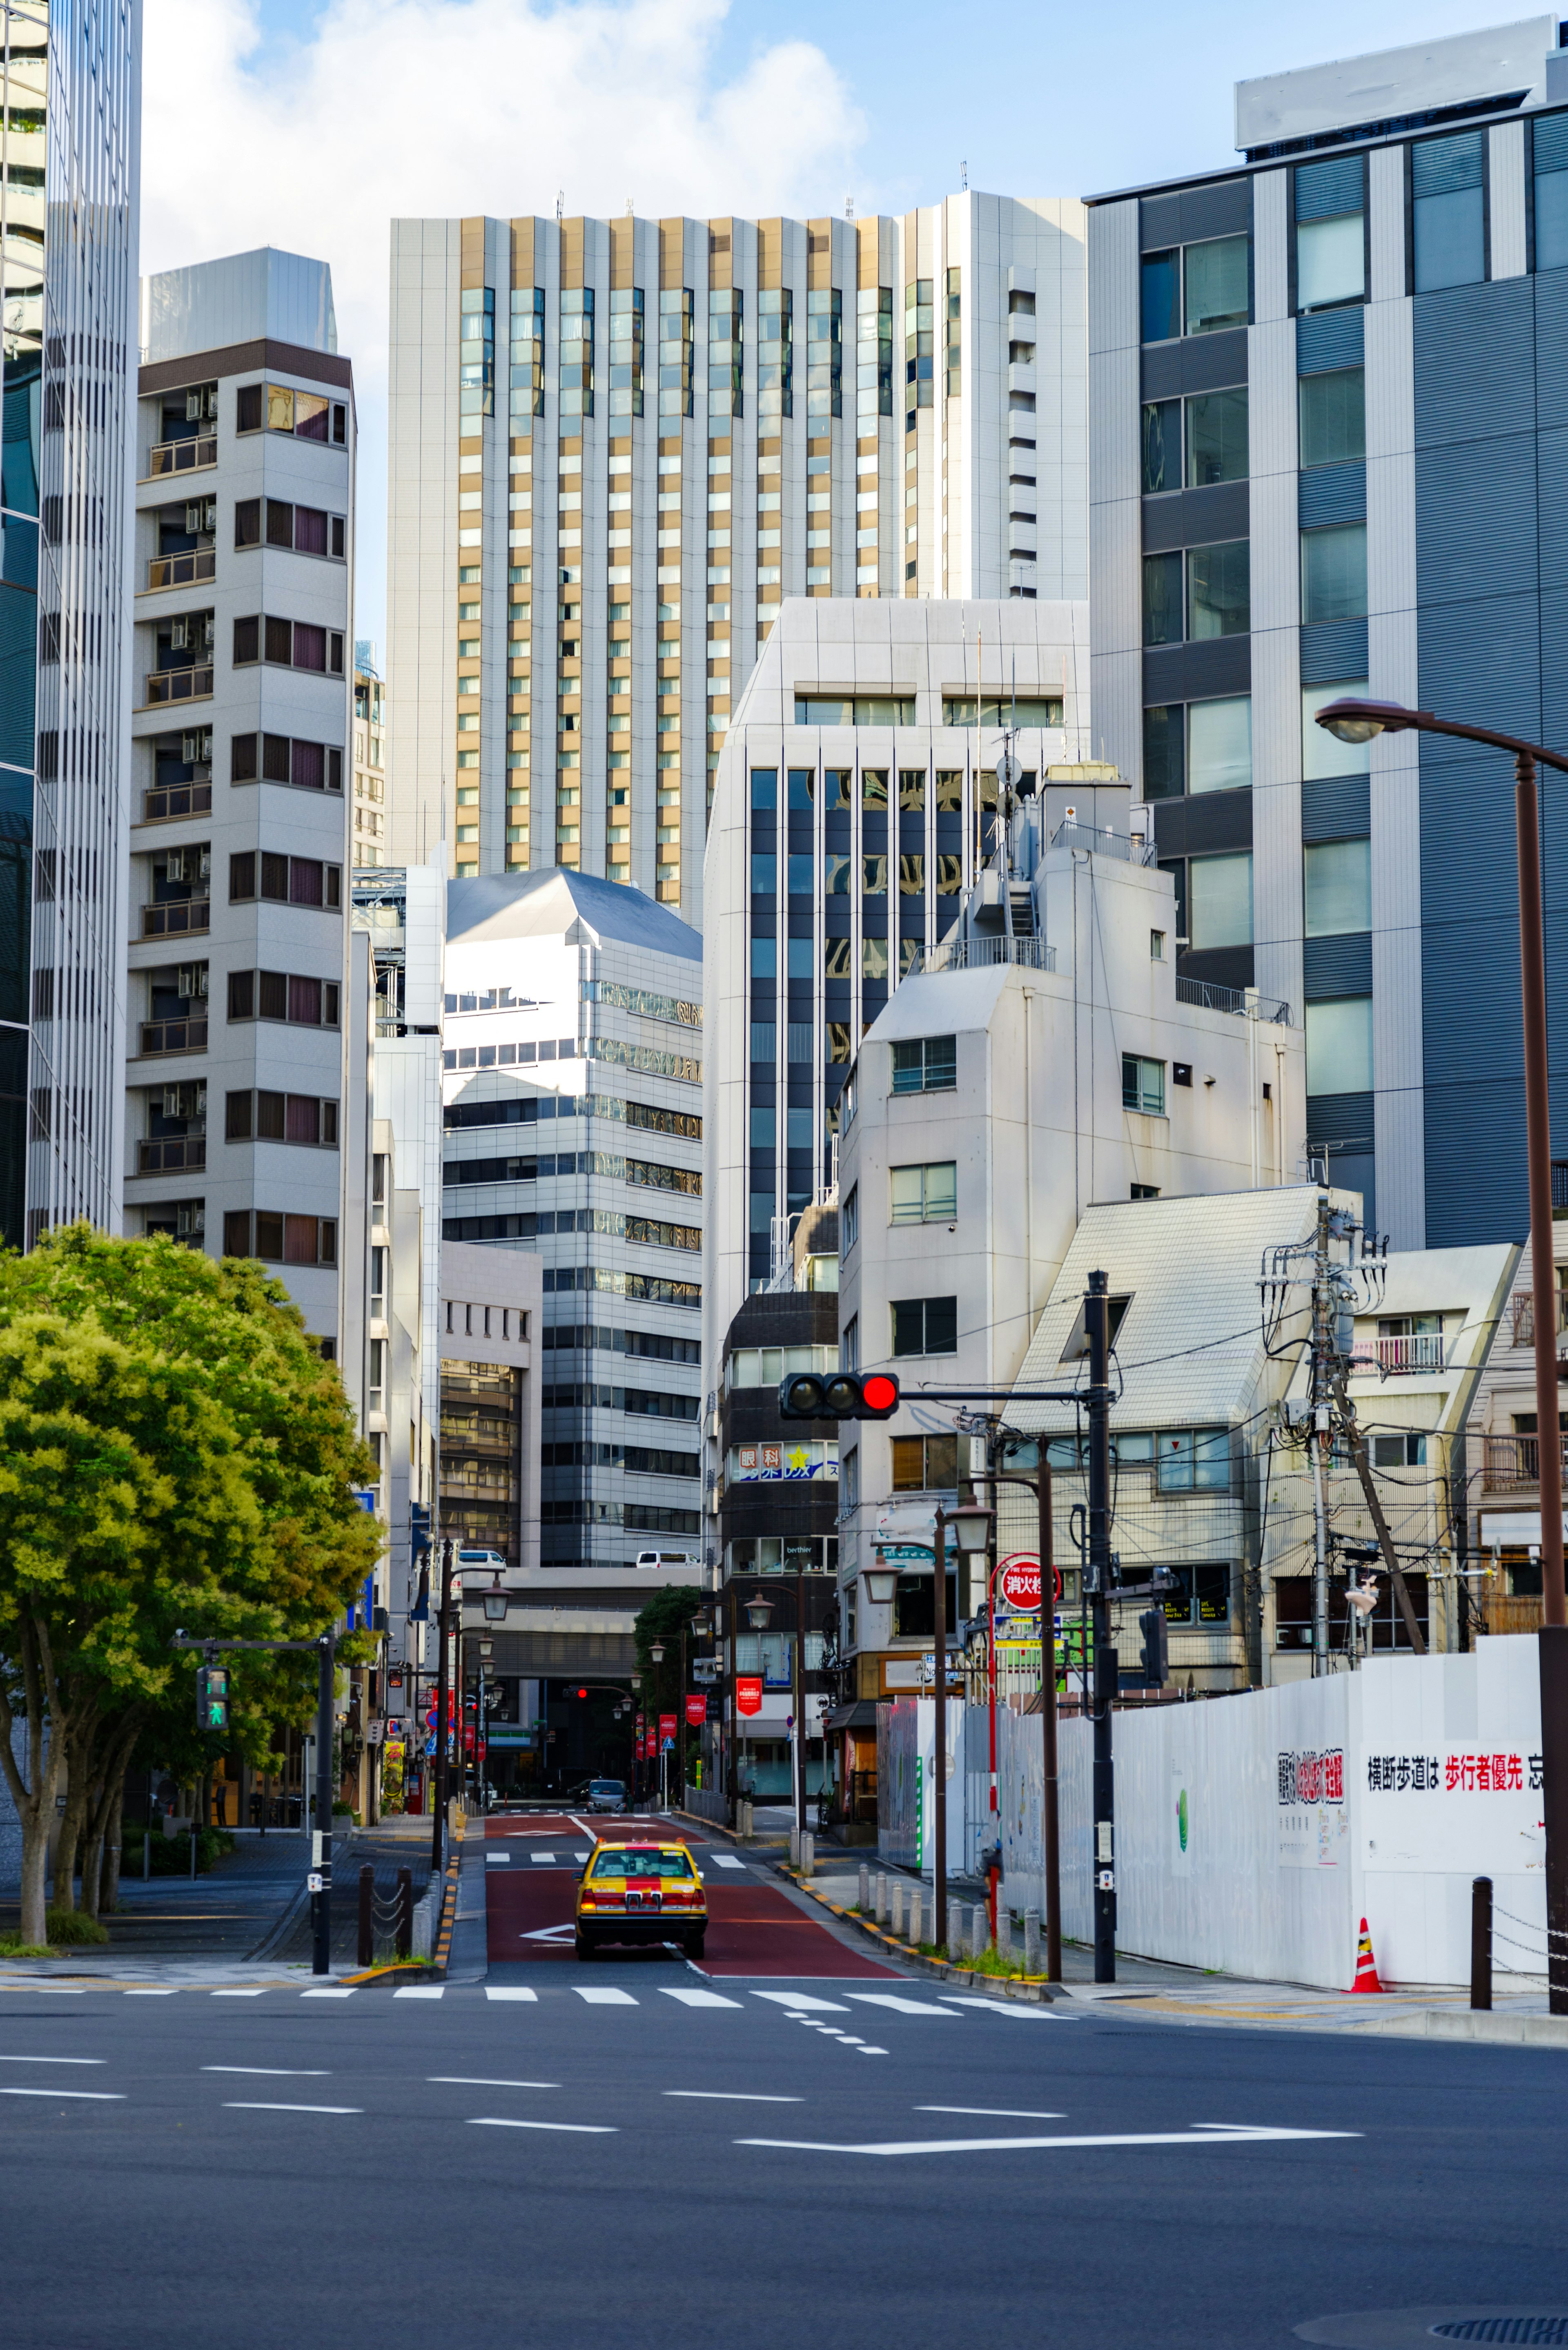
1156	1647
582	1693
212	1697
839	1395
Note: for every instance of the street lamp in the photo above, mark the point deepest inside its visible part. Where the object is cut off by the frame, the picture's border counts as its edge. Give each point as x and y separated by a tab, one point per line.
1352	721
758	1613
970	1523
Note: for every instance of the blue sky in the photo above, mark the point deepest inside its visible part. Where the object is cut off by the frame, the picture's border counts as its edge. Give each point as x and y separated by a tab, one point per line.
681	103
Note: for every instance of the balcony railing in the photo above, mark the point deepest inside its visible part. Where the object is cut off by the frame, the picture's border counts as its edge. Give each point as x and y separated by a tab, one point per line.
1511	1464
180	684
1211	997
1424	1352
183	571
176	799
179	920
174	1035
981	954
169	1157
1521	1307
182	456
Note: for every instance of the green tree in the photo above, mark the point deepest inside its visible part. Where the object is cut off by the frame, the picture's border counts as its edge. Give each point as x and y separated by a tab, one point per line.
173	1455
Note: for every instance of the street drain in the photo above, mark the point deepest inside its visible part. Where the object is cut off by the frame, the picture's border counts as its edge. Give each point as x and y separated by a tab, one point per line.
1503	2329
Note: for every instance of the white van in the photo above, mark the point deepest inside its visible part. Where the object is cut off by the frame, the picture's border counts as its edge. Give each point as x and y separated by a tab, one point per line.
687	1558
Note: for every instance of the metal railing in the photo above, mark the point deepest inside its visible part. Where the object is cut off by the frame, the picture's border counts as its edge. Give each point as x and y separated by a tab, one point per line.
170	1155
183	571
180	684
1070	834
1425	1352
980	954
1511	1464
1211	997
1521	1307
177	920
176	799
182	456
174	1035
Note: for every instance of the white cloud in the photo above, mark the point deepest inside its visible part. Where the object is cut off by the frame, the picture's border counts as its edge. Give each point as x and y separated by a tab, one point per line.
445	107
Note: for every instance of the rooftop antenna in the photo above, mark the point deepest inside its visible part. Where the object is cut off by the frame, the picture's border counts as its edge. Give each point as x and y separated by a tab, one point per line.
560	205
963	175
849	208
628	209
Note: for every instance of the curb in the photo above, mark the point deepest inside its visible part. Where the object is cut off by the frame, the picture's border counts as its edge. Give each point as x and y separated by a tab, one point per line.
1480	2026
442	1950
417	1970
1032	1989
714	1827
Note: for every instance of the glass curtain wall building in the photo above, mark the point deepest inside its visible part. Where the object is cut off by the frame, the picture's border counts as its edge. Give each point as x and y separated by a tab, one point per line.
1331	390
618	445
69	138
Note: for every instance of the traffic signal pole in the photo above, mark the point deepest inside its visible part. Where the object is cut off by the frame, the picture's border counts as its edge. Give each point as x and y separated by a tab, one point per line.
321	1852
437	1775
1097	1306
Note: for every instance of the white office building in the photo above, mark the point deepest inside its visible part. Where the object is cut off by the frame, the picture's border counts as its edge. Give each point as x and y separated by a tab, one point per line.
573	1078
617	445
239	839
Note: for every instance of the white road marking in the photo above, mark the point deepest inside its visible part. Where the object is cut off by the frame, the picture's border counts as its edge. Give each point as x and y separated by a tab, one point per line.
546	1859
699	1998
91	2097
735	2096
605	1998
276	2071
240	1994
420	1990
495	1991
1213	2134
494	1858
901	2006
171	1990
584	1828
582	1856
727	1860
59	1990
1007	2007
567	1933
873	2052
241	2106
478	2081
326	1994
54	2060
578	2129
802	2003
1000	2113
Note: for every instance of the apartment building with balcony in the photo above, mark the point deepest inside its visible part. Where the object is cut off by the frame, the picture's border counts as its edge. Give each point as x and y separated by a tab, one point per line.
1502	1484
369	757
618	444
240	858
70	157
1326	391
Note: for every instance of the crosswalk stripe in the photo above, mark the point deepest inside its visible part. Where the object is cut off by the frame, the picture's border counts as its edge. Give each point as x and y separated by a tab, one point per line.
606	1997
494	1858
170	1991
578	2129
802	2003
326	1994
78	2097
727	1860
547	1857
1007	2007
495	1991
420	1990
699	1998
240	1994
899	2006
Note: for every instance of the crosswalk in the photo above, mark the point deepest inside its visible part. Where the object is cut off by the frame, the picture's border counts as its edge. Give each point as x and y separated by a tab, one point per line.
803	2004
496	1859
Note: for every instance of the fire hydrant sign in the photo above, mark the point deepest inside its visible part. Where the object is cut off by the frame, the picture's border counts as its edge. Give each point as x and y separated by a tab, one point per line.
1018	1583
748	1692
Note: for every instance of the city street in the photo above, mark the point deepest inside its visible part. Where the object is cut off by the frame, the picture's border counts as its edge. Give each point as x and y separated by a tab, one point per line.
635	2147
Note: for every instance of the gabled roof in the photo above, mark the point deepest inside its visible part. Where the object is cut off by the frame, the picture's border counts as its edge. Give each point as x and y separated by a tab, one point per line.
547	904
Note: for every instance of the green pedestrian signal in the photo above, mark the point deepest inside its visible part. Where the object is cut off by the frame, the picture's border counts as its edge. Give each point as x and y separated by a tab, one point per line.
212	1697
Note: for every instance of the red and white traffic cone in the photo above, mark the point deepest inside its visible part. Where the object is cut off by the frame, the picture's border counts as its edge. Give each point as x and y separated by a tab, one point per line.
1366	1965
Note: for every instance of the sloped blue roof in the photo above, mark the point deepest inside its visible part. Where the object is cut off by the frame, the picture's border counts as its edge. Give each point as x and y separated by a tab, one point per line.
546	903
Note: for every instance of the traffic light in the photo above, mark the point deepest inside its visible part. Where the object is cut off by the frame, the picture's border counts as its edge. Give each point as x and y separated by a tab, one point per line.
1156	1649
418	1529
582	1693
212	1697
839	1395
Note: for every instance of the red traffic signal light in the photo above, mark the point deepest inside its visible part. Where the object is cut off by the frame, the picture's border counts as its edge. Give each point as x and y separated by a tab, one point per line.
582	1692
839	1395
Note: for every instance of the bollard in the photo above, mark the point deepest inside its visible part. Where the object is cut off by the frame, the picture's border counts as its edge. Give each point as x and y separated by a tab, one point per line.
979	1932
794	1847
863	1889
1480	1942
893	1890
807	1852
881	1896
957	1933
367	1914
1032	1941
914	1922
405	1941
1004	1933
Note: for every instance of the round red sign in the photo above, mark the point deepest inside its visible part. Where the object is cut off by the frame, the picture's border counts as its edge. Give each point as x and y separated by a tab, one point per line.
1019	1581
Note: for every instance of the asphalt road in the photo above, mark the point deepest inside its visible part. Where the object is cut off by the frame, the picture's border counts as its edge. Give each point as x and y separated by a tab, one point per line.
635	2153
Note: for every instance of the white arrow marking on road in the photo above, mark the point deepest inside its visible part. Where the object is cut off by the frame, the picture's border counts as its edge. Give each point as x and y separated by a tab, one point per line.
238	2105
801	2002
1213	2134
899	2006
94	2097
550	1934
578	2129
493	1990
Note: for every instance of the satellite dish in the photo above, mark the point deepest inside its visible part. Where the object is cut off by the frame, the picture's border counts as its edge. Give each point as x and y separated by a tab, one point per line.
1009	771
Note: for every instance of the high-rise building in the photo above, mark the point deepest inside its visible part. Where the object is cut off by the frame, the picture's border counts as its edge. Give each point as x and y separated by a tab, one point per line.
69	188
369	757
574	1130
240	839
617	445
1328	392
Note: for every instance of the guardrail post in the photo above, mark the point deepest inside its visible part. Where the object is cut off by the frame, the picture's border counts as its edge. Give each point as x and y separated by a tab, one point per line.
1032	1941
367	1914
1480	1942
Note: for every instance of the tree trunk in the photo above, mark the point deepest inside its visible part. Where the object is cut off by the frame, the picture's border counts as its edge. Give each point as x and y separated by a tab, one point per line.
78	1791
32	1782
108	1872
112	1760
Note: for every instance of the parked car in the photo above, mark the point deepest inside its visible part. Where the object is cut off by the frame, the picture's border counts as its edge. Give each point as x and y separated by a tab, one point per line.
607	1794
688	1558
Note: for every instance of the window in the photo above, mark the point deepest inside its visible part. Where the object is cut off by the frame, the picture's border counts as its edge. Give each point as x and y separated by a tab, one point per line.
1448	210
1549	136
849	1344
1164	752
280	1117
1408	1452
798	959
288	644
1193	1459
1218	591
925	1464
280	1239
1334	573
1143	1085
1156	946
797	1128
1216	438
802	876
765	876
925	1326
1331	410
764	1041
1202	1595
864	710
849	1227
764	787
1162	599
1161	446
1214	278
287	880
247	522
307	530
1160	293
1220	901
1220	745
1144	1192
1322	753
1338	886
278	759
282	995
837	957
874	966
763	1128
305	414
764	957
927	1064
1077	1347
924	1195
1339	1047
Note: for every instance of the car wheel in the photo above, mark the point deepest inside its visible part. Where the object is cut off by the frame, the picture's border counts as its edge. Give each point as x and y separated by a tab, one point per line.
693	1945
585	1949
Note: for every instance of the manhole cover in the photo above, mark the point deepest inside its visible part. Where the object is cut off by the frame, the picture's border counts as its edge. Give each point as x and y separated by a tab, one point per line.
1503	2329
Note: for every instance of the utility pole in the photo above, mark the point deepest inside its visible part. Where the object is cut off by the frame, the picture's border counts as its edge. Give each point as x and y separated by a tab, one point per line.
1322	1436
1097	1307
321	1853
439	1776
939	1734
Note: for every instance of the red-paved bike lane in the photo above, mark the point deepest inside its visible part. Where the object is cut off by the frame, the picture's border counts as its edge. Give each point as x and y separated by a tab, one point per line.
753	1929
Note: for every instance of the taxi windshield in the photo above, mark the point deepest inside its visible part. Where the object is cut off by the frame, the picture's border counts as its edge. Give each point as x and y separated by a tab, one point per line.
637	1862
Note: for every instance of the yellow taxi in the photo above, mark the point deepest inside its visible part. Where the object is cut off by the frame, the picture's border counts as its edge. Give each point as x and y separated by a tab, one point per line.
640	1892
